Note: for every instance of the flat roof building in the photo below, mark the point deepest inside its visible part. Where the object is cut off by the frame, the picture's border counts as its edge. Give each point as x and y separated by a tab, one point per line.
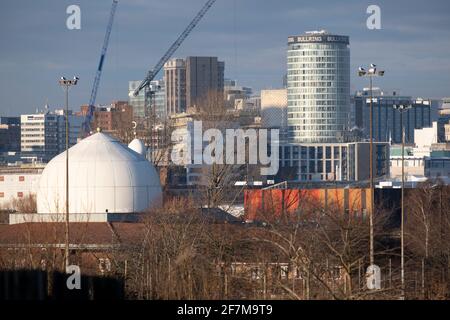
43	135
386	121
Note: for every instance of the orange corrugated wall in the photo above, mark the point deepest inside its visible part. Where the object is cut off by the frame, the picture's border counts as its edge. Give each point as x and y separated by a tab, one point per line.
271	201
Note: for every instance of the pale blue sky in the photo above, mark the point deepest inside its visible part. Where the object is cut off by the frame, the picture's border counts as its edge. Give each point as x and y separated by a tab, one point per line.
249	35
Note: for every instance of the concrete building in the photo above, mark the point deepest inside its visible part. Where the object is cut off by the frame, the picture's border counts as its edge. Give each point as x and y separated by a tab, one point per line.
188	81
443	118
274	108
251	104
43	135
9	134
17	183
318	87
424	139
175	82
447	132
233	92
333	161
115	119
204	75
414	165
415	154
386	120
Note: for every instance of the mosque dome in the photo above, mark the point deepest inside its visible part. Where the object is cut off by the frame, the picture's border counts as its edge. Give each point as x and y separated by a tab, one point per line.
138	146
105	176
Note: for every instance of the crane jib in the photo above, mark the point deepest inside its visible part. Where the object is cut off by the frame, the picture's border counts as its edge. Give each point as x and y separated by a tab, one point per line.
101	62
88	117
175	45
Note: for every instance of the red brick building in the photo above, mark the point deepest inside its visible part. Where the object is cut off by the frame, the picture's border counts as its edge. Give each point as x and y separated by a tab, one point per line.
115	119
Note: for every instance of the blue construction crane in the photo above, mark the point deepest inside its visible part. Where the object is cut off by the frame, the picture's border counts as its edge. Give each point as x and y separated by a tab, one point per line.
153	72
86	126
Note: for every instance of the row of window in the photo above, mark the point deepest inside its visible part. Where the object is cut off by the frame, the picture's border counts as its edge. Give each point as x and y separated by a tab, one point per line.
313	90
310	119
333	47
318	59
19	194
316	65
315	96
318	109
292	72
21	178
317	103
294	79
317	130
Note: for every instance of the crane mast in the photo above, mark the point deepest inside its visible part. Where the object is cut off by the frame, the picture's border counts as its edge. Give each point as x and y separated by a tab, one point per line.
153	72
86	126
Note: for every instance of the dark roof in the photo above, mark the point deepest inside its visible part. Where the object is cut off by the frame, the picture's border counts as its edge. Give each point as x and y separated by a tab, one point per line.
80	233
216	215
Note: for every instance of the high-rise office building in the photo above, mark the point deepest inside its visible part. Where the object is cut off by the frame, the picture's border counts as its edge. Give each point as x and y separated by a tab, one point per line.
43	135
188	81
386	121
318	84
138	102
9	134
203	75
160	99
175	82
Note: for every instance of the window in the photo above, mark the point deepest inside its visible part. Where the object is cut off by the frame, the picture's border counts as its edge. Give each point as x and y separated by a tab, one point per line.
2	178
284	271
256	273
20	194
2	194
328	152
104	265
21	178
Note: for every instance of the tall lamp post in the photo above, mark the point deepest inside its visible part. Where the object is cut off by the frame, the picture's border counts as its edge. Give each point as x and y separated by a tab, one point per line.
402	108
66	84
370	73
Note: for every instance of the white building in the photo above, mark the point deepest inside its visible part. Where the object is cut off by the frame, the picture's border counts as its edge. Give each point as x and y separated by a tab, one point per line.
18	183
107	182
333	161
414	165
43	135
274	108
424	138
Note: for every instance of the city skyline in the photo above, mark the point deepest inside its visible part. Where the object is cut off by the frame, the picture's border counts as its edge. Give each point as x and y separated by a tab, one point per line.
251	34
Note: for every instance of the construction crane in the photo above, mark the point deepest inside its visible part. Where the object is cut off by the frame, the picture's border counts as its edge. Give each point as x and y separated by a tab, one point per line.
153	72
145	85
86	126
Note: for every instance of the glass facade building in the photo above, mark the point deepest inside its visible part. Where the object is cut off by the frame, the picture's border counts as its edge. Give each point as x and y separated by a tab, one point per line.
386	121
138	102
334	161
318	83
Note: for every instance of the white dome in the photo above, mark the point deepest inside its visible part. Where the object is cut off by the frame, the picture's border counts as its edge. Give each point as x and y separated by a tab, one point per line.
138	146
104	176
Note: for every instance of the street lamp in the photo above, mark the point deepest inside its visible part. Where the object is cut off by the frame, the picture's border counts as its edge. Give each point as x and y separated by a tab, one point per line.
66	84
402	108
370	73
